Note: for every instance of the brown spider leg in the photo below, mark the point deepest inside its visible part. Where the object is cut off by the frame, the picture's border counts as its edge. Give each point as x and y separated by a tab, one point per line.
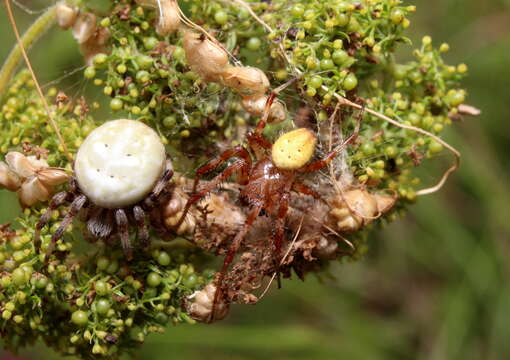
280	224
258	144
122	226
320	164
74	209
55	202
100	224
159	189
304	189
231	253
143	232
244	165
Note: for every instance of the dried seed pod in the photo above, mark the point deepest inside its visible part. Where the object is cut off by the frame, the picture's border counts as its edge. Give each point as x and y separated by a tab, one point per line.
358	208
256	105
199	305
169	15
246	80
33	191
326	248
96	44
84	27
294	149
172	212
66	15
52	177
204	56
221	211
23	166
8	179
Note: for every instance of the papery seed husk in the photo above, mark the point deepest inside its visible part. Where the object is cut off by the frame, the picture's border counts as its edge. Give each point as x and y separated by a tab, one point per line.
384	202
199	304
246	80
84	27
52	177
8	179
169	18
33	191
20	164
96	44
204	56
66	15
256	106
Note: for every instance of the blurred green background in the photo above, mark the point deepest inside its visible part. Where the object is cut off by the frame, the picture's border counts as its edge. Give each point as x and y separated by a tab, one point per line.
435	284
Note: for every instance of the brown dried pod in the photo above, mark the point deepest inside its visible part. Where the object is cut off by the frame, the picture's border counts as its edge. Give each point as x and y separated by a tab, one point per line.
96	44
33	191
169	15
23	166
205	57
84	27
173	210
246	80
8	179
52	177
199	305
66	15
357	208
221	211
256	105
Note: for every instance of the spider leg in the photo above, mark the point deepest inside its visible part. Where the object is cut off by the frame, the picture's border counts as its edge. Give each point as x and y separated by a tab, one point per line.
231	253
304	189
55	202
160	189
74	209
280	225
123	228
243	165
143	232
320	164
100	224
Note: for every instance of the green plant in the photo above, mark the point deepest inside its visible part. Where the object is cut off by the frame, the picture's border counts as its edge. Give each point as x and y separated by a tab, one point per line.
339	56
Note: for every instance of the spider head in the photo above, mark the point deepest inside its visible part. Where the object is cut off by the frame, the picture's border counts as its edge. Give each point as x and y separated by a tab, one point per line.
294	149
119	163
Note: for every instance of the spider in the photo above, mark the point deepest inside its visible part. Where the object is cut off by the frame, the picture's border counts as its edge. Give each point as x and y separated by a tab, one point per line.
120	174
268	173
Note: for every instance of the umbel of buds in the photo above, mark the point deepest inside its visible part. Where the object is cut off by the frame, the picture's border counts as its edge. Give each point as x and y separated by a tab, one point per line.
357	207
32	178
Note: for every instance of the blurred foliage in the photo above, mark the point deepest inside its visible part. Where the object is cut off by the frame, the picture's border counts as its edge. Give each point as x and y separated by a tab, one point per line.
434	284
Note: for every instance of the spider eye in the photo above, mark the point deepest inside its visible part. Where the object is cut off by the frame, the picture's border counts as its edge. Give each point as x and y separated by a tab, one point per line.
294	149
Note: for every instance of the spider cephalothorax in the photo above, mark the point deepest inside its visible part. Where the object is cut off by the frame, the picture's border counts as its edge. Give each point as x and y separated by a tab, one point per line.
268	174
121	173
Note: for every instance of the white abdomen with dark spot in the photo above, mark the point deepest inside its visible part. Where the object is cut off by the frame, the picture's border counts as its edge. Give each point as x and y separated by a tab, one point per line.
119	163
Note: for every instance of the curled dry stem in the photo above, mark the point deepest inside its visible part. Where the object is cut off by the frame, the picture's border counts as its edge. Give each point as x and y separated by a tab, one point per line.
36	82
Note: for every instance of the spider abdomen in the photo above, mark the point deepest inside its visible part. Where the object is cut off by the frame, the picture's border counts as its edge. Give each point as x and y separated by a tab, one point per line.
119	163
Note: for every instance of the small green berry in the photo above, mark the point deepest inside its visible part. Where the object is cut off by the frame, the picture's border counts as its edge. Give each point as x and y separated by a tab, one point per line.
80	317
221	17
254	44
153	279
350	82
102	306
163	258
89	72
116	104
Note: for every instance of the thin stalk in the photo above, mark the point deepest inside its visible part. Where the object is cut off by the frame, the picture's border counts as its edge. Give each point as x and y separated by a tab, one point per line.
34	32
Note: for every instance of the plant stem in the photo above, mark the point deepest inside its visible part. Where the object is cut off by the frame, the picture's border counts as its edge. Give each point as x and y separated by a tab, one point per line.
34	32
